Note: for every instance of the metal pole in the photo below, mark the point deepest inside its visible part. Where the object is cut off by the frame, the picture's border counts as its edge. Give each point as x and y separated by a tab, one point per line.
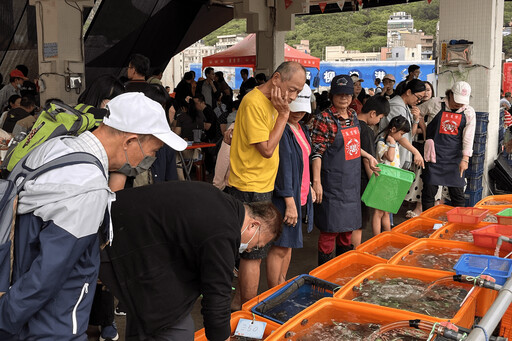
494	314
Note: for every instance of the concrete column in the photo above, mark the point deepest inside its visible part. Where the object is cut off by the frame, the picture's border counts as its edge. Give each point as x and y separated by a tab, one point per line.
61	48
270	20
479	21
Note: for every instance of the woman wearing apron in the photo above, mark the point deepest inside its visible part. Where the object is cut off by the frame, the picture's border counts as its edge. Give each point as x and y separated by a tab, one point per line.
336	171
452	131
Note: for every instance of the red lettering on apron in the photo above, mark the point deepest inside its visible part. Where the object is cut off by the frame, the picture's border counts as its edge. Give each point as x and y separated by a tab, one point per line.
352	143
450	123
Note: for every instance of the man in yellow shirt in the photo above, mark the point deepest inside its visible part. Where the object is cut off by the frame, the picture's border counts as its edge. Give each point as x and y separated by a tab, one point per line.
254	157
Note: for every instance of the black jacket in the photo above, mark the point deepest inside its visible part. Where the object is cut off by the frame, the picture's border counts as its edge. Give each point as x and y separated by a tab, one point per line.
173	242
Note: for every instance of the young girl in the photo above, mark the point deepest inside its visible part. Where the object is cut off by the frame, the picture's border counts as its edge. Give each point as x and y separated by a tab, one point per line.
388	154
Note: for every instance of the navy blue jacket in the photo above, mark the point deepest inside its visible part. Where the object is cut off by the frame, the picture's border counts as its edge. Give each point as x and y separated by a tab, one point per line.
289	177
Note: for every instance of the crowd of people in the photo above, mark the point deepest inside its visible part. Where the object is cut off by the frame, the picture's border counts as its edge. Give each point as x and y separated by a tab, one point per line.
285	160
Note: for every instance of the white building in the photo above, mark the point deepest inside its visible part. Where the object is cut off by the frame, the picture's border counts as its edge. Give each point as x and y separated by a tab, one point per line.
225	42
398	23
339	54
404	53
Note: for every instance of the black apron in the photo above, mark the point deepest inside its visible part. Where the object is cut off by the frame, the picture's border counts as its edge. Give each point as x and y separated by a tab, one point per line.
340	210
446	130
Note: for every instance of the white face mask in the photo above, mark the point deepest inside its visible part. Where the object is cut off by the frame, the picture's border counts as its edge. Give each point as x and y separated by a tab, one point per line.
244	246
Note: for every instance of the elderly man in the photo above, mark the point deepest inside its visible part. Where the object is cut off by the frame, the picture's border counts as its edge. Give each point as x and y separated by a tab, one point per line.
254	156
57	249
168	252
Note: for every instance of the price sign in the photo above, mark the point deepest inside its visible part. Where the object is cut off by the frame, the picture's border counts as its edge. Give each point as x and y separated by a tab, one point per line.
250	328
438	226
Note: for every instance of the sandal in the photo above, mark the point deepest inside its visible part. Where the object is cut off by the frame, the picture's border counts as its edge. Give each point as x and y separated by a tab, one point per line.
411	214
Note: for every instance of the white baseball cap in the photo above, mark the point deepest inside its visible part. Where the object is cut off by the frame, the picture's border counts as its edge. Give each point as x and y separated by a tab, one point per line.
461	92
303	101
133	112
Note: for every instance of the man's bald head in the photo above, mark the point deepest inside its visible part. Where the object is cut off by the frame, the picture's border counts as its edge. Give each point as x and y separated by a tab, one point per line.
288	69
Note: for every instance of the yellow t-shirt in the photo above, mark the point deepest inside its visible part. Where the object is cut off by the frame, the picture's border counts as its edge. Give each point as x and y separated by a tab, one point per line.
249	170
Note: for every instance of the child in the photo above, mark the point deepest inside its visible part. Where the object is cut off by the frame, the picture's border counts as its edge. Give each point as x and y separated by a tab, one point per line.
388	154
372	112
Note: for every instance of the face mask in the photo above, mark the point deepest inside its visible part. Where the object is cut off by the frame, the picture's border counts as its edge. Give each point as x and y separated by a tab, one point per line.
19	86
143	166
244	246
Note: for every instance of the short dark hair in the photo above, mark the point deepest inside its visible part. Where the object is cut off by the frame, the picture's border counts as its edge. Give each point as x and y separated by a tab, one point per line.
415	85
208	70
377	80
244	71
287	69
27	102
508	94
23	69
269	214
156	71
200	97
13	99
413	68
188	76
261	77
378	103
140	63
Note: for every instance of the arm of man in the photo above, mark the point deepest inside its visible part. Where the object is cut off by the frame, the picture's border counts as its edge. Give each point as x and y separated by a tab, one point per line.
60	250
217	257
267	148
468	137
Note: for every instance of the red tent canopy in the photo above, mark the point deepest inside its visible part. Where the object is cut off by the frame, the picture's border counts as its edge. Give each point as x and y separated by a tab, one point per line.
243	54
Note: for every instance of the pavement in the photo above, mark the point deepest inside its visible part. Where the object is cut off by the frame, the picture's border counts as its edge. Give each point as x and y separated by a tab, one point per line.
303	261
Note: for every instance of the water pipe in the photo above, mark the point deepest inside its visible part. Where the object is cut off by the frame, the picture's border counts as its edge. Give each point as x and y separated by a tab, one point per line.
482	281
493	316
501	239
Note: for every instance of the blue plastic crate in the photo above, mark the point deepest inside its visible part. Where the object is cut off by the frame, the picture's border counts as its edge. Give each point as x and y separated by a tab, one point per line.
482	120
479	144
477	159
294	297
472	197
473	265
474	183
471	175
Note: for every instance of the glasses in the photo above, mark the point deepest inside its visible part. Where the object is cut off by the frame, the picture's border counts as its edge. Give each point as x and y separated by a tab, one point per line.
257	247
418	97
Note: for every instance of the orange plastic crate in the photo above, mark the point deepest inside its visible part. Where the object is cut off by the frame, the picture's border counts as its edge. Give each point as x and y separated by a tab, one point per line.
457	232
502	201
409	254
343	268
418	227
466	215
429	246
437	212
386	244
487	236
328	309
464	317
247	306
235	317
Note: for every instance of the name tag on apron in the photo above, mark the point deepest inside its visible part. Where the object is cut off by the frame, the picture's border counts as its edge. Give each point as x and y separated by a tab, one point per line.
450	123
352	143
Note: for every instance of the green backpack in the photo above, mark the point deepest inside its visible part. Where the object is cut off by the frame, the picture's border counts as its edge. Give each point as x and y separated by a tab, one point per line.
56	119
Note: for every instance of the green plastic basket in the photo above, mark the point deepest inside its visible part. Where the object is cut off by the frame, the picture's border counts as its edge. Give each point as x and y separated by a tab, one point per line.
387	191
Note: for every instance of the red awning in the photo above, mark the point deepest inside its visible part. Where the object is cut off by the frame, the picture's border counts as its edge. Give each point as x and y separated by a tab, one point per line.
243	54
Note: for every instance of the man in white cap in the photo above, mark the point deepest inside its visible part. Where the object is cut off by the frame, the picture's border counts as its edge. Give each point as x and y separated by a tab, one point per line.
56	259
389	83
452	131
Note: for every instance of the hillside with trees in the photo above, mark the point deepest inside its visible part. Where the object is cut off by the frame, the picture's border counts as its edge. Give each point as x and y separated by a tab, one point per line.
364	30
